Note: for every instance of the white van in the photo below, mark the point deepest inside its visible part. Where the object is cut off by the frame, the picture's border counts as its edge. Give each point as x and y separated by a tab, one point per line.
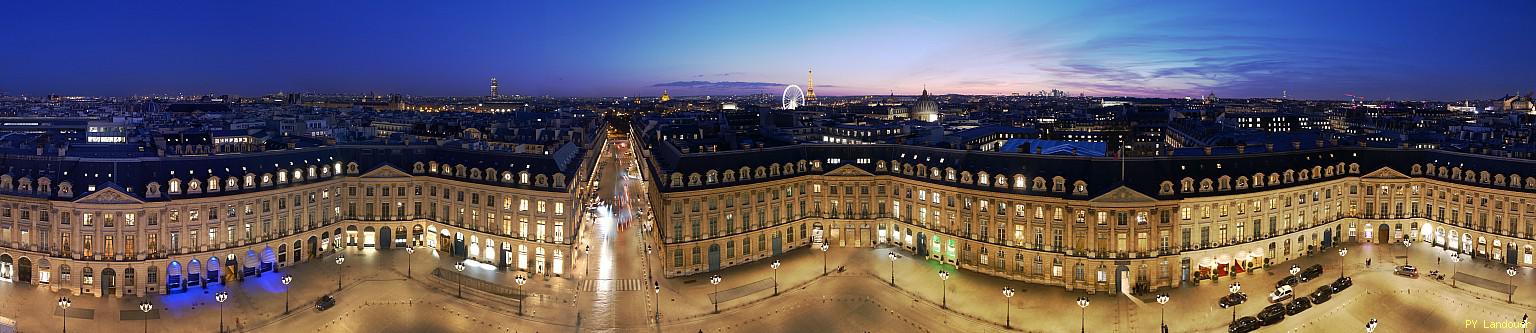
1281	294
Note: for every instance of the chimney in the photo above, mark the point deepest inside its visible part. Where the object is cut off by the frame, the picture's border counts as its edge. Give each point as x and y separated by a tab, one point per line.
1207	150
1241	149
1334	141
1319	143
1269	147
1362	143
1296	145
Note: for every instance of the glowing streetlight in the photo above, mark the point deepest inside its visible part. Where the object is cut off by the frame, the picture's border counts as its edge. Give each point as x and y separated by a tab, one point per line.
1162	300
146	307
1342	252
520	280
1455	258
221	297
775	266
287	279
1511	272
824	249
408	252
64	307
1234	289
1082	303
713	298
1008	307
657	287
1370	326
892	255
339	271
944	287
459	266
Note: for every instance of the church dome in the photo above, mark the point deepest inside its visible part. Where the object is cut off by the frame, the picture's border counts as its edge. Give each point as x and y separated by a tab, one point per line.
926	109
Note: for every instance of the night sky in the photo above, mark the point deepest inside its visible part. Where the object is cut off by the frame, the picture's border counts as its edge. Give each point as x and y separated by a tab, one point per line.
1447	50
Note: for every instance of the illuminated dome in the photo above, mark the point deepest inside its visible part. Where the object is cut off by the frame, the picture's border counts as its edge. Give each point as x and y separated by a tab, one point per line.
926	109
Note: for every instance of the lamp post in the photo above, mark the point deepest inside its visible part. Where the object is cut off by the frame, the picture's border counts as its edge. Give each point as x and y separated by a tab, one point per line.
944	287
1082	315
64	309
892	255
1511	272
145	306
1234	289
221	297
587	254
408	254
1370	326
1525	321
715	281
1162	301
775	266
1295	269
1455	258
1008	307
459	266
520	280
1342	252
824	249
339	271
657	287
287	279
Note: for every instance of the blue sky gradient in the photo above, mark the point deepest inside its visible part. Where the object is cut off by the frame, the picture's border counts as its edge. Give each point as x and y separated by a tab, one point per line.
1312	49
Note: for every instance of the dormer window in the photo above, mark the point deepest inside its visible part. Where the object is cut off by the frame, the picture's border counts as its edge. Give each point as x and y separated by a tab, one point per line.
175	186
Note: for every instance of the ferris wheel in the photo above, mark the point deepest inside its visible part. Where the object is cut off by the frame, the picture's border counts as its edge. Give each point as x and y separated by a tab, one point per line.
793	97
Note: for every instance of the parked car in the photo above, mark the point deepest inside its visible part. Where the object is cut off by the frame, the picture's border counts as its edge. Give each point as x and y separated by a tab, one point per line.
325	302
1244	325
1281	294
1298	305
1311	273
1272	314
1407	270
1323	294
1288	281
1231	300
1342	283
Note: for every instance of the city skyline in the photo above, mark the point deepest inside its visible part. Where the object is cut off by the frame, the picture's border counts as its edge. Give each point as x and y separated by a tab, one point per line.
1307	50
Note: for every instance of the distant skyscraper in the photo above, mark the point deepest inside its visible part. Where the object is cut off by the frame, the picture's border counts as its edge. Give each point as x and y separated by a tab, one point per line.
494	86
810	87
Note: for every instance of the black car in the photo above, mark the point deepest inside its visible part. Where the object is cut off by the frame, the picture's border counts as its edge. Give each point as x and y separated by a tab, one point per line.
1288	281
1298	305
1272	314
1323	294
325	302
1311	273
1231	300
1244	325
1342	283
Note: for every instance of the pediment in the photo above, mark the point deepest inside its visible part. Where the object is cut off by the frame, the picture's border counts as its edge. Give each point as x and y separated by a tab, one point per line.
1386	173
109	195
1123	194
386	171
848	170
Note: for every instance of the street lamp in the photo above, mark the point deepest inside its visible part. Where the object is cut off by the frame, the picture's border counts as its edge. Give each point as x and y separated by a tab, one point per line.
459	266
1295	269
1455	258
1234	289
1342	252
221	297
824	249
1511	272
775	266
944	287
1162	300
64	308
892	255
715	280
408	252
1008	307
287	279
587	255
145	306
657	287
1407	251
1370	326
1082	315
520	280
339	272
